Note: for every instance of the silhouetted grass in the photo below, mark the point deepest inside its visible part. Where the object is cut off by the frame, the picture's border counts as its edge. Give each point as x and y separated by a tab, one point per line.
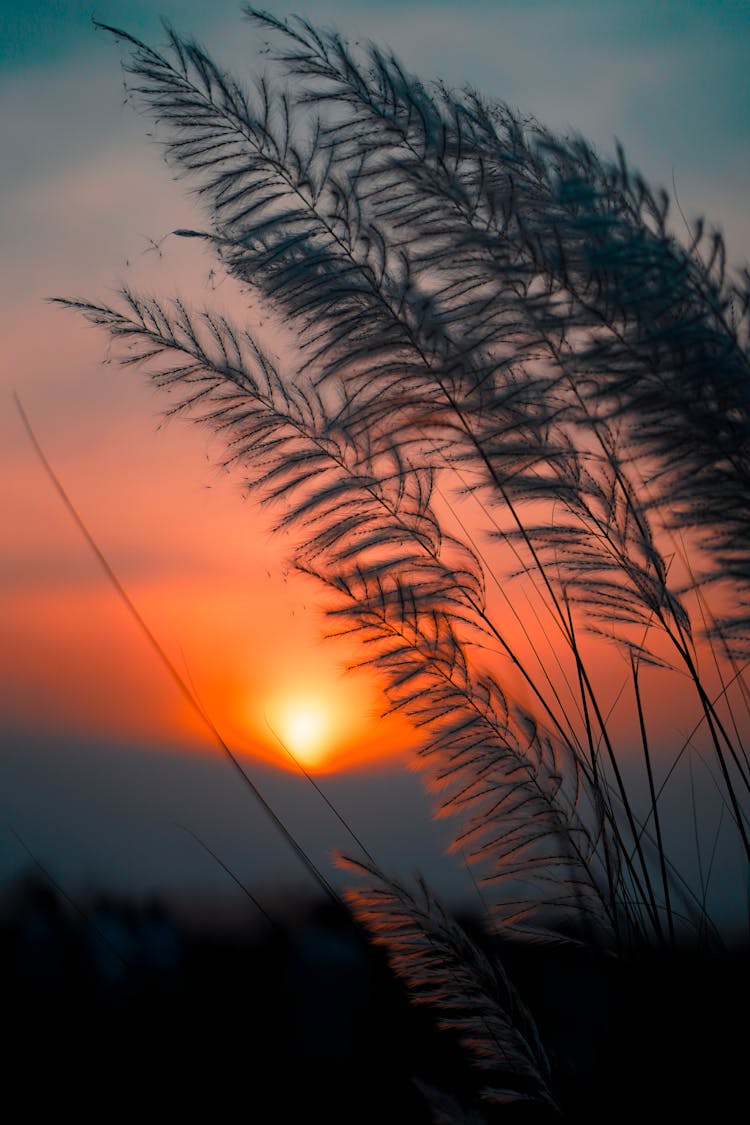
517	417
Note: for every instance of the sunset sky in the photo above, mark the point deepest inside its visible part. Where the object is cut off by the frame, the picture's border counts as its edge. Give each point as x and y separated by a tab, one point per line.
100	757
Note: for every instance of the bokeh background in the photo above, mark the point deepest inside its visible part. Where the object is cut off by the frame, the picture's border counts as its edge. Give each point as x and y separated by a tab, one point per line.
101	762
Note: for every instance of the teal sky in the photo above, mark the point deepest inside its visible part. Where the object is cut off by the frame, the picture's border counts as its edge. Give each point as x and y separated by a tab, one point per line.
669	79
45	30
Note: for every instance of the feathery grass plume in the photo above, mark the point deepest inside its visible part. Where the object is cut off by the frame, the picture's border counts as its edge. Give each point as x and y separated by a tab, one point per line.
485	312
470	992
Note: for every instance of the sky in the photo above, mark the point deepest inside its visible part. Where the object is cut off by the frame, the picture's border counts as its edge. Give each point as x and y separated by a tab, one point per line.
100	758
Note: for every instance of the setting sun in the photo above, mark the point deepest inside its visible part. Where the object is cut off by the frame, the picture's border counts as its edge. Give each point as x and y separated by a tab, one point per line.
310	723
303	729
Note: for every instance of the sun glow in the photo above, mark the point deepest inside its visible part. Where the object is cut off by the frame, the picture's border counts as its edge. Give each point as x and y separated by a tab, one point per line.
320	719
304	728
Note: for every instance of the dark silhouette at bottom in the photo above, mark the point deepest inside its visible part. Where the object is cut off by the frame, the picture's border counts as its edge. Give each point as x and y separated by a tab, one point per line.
126	1009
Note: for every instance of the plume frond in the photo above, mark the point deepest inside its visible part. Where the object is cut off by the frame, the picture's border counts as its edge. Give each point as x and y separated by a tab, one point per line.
471	993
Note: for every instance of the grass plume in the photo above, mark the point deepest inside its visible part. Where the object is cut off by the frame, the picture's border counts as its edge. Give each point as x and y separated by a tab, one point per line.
493	326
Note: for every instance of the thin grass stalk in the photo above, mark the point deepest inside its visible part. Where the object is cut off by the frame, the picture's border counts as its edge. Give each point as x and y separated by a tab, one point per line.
652	795
716	728
611	905
681	643
172	671
322	794
571	736
644	888
713	631
598	785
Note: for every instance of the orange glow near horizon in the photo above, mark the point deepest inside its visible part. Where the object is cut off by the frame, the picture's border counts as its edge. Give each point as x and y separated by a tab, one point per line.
243	631
76	664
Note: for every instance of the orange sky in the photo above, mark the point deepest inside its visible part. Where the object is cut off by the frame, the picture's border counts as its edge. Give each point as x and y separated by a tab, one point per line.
89	202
